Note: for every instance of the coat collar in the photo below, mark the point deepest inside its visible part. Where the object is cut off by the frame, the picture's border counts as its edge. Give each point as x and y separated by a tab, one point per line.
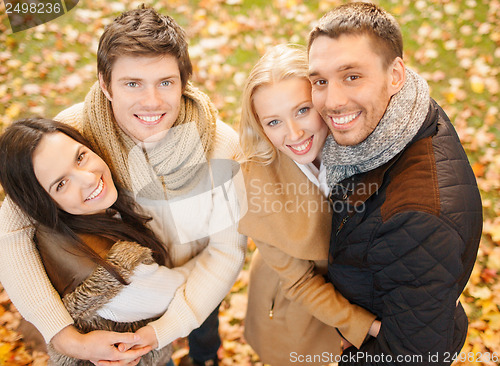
286	210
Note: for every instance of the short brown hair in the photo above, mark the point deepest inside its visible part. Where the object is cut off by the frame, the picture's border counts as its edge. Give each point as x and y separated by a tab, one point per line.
143	32
363	19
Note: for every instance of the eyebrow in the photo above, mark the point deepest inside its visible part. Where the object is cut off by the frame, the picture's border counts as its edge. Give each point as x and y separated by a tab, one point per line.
133	78
61	177
293	108
341	68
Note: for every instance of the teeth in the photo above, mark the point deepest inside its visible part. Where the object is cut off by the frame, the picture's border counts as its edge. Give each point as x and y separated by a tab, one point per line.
303	146
97	191
345	119
150	118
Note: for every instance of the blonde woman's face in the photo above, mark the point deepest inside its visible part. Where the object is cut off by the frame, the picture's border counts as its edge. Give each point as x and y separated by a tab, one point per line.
289	120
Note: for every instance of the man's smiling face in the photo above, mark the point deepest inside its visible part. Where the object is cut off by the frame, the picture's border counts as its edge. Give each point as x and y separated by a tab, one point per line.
351	88
145	93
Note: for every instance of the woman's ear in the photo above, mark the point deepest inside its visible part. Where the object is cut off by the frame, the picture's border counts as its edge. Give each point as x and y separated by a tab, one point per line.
397	75
104	88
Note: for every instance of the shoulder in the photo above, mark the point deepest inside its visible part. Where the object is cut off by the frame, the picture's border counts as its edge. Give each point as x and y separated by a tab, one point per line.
72	116
226	144
413	182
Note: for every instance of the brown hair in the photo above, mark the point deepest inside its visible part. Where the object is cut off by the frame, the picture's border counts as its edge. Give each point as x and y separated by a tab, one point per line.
143	32
363	19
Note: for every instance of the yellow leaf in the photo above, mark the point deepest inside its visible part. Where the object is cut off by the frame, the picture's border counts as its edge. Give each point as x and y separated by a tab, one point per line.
477	84
494	320
489	307
450	97
480	292
491	339
5	349
494	256
13	111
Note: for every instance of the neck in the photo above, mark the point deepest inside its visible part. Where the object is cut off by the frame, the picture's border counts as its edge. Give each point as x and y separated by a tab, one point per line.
317	161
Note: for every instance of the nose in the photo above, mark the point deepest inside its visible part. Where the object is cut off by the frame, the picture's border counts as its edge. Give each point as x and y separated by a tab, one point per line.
295	131
151	98
86	178
336	97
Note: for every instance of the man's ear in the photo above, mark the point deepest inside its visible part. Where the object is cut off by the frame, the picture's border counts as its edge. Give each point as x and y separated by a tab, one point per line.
397	75
104	88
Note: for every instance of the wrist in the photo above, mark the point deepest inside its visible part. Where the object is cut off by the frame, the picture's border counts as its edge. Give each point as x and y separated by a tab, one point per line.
375	328
67	341
152	337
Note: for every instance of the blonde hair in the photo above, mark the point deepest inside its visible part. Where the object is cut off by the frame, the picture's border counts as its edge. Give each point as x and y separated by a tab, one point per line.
279	63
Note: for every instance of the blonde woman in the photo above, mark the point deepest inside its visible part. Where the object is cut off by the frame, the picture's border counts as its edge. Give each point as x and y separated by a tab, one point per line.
294	316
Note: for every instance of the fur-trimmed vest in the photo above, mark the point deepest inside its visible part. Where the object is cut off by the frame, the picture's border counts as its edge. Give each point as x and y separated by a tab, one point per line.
85	287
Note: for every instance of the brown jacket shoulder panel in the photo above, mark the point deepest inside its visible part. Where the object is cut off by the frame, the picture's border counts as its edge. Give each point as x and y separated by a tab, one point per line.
413	182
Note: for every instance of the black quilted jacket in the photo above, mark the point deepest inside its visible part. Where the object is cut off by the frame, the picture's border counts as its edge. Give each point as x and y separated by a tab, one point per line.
404	241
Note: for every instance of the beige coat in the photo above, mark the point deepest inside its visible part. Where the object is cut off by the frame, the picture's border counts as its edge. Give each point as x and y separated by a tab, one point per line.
292	312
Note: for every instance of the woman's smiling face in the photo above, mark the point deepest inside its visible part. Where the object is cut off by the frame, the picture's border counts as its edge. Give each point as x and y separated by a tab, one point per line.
289	120
77	179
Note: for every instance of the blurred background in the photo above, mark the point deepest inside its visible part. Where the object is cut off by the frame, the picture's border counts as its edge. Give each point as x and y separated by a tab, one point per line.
455	45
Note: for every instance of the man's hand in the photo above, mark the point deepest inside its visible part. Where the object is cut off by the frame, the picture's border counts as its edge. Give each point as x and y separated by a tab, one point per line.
100	346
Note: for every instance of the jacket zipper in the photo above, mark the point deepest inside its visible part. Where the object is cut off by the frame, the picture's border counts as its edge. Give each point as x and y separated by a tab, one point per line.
344	220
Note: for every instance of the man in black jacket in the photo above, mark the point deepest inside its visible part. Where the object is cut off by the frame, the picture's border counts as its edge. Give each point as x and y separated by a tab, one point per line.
407	212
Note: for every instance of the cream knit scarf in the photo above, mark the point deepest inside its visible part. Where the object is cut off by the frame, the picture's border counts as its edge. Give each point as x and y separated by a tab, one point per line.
171	166
403	117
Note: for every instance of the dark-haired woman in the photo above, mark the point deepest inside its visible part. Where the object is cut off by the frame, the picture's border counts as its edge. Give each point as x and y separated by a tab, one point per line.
106	264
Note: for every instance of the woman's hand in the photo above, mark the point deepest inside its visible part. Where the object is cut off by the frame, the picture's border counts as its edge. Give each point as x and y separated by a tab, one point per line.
375	328
99	345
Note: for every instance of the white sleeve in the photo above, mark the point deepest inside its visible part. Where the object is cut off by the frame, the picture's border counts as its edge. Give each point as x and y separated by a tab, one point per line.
148	294
215	271
23	276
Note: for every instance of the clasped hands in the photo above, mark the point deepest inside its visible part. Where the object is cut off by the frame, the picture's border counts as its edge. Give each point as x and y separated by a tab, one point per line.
106	348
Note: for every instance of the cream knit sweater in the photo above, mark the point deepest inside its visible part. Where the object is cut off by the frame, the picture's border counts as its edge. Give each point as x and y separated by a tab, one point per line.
220	255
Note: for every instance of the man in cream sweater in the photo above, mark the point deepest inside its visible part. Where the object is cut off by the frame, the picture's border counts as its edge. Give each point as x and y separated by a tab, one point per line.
163	142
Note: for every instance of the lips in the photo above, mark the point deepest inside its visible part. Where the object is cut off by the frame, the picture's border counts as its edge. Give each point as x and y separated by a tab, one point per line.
96	191
150	119
303	147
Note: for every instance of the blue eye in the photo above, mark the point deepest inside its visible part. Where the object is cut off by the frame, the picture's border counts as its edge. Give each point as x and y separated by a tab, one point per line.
274	122
303	110
166	83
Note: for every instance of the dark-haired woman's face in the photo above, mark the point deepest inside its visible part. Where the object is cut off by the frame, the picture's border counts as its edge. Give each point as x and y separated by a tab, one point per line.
77	179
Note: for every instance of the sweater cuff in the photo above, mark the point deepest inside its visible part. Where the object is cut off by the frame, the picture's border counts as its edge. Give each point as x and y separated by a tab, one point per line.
47	324
175	323
356	334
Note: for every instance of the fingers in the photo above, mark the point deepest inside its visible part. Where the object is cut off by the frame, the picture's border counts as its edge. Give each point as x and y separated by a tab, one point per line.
122	347
118	363
127	358
124	337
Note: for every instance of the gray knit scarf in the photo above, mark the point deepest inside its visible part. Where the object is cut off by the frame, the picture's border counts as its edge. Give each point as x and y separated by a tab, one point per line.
403	118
